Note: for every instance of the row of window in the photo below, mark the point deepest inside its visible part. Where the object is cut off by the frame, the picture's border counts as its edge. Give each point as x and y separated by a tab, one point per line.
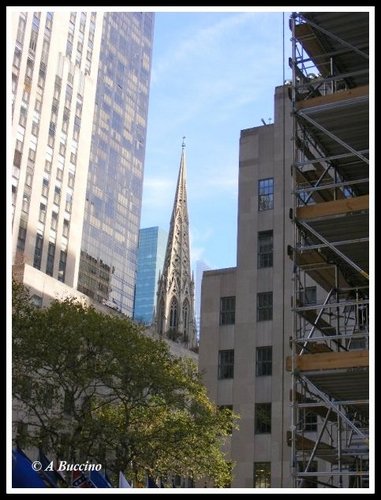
264	308
264	305
263	362
262	475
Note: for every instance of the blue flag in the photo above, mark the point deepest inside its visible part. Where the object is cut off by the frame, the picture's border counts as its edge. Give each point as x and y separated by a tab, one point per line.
98	480
24	474
49	472
151	483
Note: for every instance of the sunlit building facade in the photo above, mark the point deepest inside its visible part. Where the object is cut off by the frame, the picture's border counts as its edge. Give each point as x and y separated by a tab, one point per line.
80	87
151	253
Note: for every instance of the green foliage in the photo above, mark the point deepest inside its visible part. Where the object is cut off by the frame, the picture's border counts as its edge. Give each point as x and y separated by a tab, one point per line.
93	387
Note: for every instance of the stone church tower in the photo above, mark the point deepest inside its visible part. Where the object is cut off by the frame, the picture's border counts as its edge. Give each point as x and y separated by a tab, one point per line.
175	293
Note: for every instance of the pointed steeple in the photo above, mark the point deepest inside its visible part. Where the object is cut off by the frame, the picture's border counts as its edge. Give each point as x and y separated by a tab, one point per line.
175	295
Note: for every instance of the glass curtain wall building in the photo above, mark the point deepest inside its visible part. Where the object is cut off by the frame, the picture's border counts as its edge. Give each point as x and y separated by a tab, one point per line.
80	89
151	253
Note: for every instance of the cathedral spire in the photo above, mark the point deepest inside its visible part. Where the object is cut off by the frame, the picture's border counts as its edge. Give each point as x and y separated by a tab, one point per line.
175	296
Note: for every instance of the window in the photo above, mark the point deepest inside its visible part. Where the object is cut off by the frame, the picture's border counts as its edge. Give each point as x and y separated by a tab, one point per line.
62	266
265	306
173	315
17	158
57	195
42	216
264	361
70	180
25	203
227	311
265	194
59	174
263	418
265	249
50	259
21	236
185	314
262	475
45	188
310	295
54	221
310	421
65	228
226	364
38	252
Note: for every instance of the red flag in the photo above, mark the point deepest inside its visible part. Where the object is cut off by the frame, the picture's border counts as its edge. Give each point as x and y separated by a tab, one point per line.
80	480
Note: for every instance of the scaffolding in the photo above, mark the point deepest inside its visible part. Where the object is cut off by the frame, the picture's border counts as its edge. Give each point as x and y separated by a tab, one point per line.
330	351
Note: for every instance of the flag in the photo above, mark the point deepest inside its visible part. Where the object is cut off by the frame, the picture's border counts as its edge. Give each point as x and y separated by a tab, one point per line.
80	480
151	483
24	474
123	483
98	480
48	472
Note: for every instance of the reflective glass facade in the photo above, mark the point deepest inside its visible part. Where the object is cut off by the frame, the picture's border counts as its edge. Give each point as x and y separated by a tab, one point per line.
108	261
151	253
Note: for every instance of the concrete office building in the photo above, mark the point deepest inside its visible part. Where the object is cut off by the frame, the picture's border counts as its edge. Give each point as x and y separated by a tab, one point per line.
246	320
285	335
201	266
151	253
80	87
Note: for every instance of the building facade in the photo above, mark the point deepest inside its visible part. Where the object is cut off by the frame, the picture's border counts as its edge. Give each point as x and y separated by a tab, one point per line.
151	253
246	320
80	85
174	317
201	266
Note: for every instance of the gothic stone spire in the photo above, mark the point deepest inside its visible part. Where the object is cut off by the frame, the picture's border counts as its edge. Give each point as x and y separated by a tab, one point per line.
175	295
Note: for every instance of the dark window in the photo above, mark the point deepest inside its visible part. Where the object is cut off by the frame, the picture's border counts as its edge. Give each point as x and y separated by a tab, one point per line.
265	249
226	364
262	475
265	194
38	252
263	418
62	266
310	421
265	306
227	311
310	295
50	259
264	361
21	237
173	315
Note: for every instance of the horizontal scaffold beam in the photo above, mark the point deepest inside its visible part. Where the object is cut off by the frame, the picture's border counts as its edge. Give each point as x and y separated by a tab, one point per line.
337	97
329	361
335	207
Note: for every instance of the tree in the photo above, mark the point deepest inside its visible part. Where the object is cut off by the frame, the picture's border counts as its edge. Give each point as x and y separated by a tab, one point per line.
93	387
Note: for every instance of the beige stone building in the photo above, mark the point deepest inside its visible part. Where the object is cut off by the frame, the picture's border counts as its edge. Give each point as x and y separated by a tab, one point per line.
246	321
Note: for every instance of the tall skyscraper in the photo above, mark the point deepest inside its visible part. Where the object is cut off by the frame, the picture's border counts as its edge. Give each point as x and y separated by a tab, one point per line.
151	253
175	296
80	87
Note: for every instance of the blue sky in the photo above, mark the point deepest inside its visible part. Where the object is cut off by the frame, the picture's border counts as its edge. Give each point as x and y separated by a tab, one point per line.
213	74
